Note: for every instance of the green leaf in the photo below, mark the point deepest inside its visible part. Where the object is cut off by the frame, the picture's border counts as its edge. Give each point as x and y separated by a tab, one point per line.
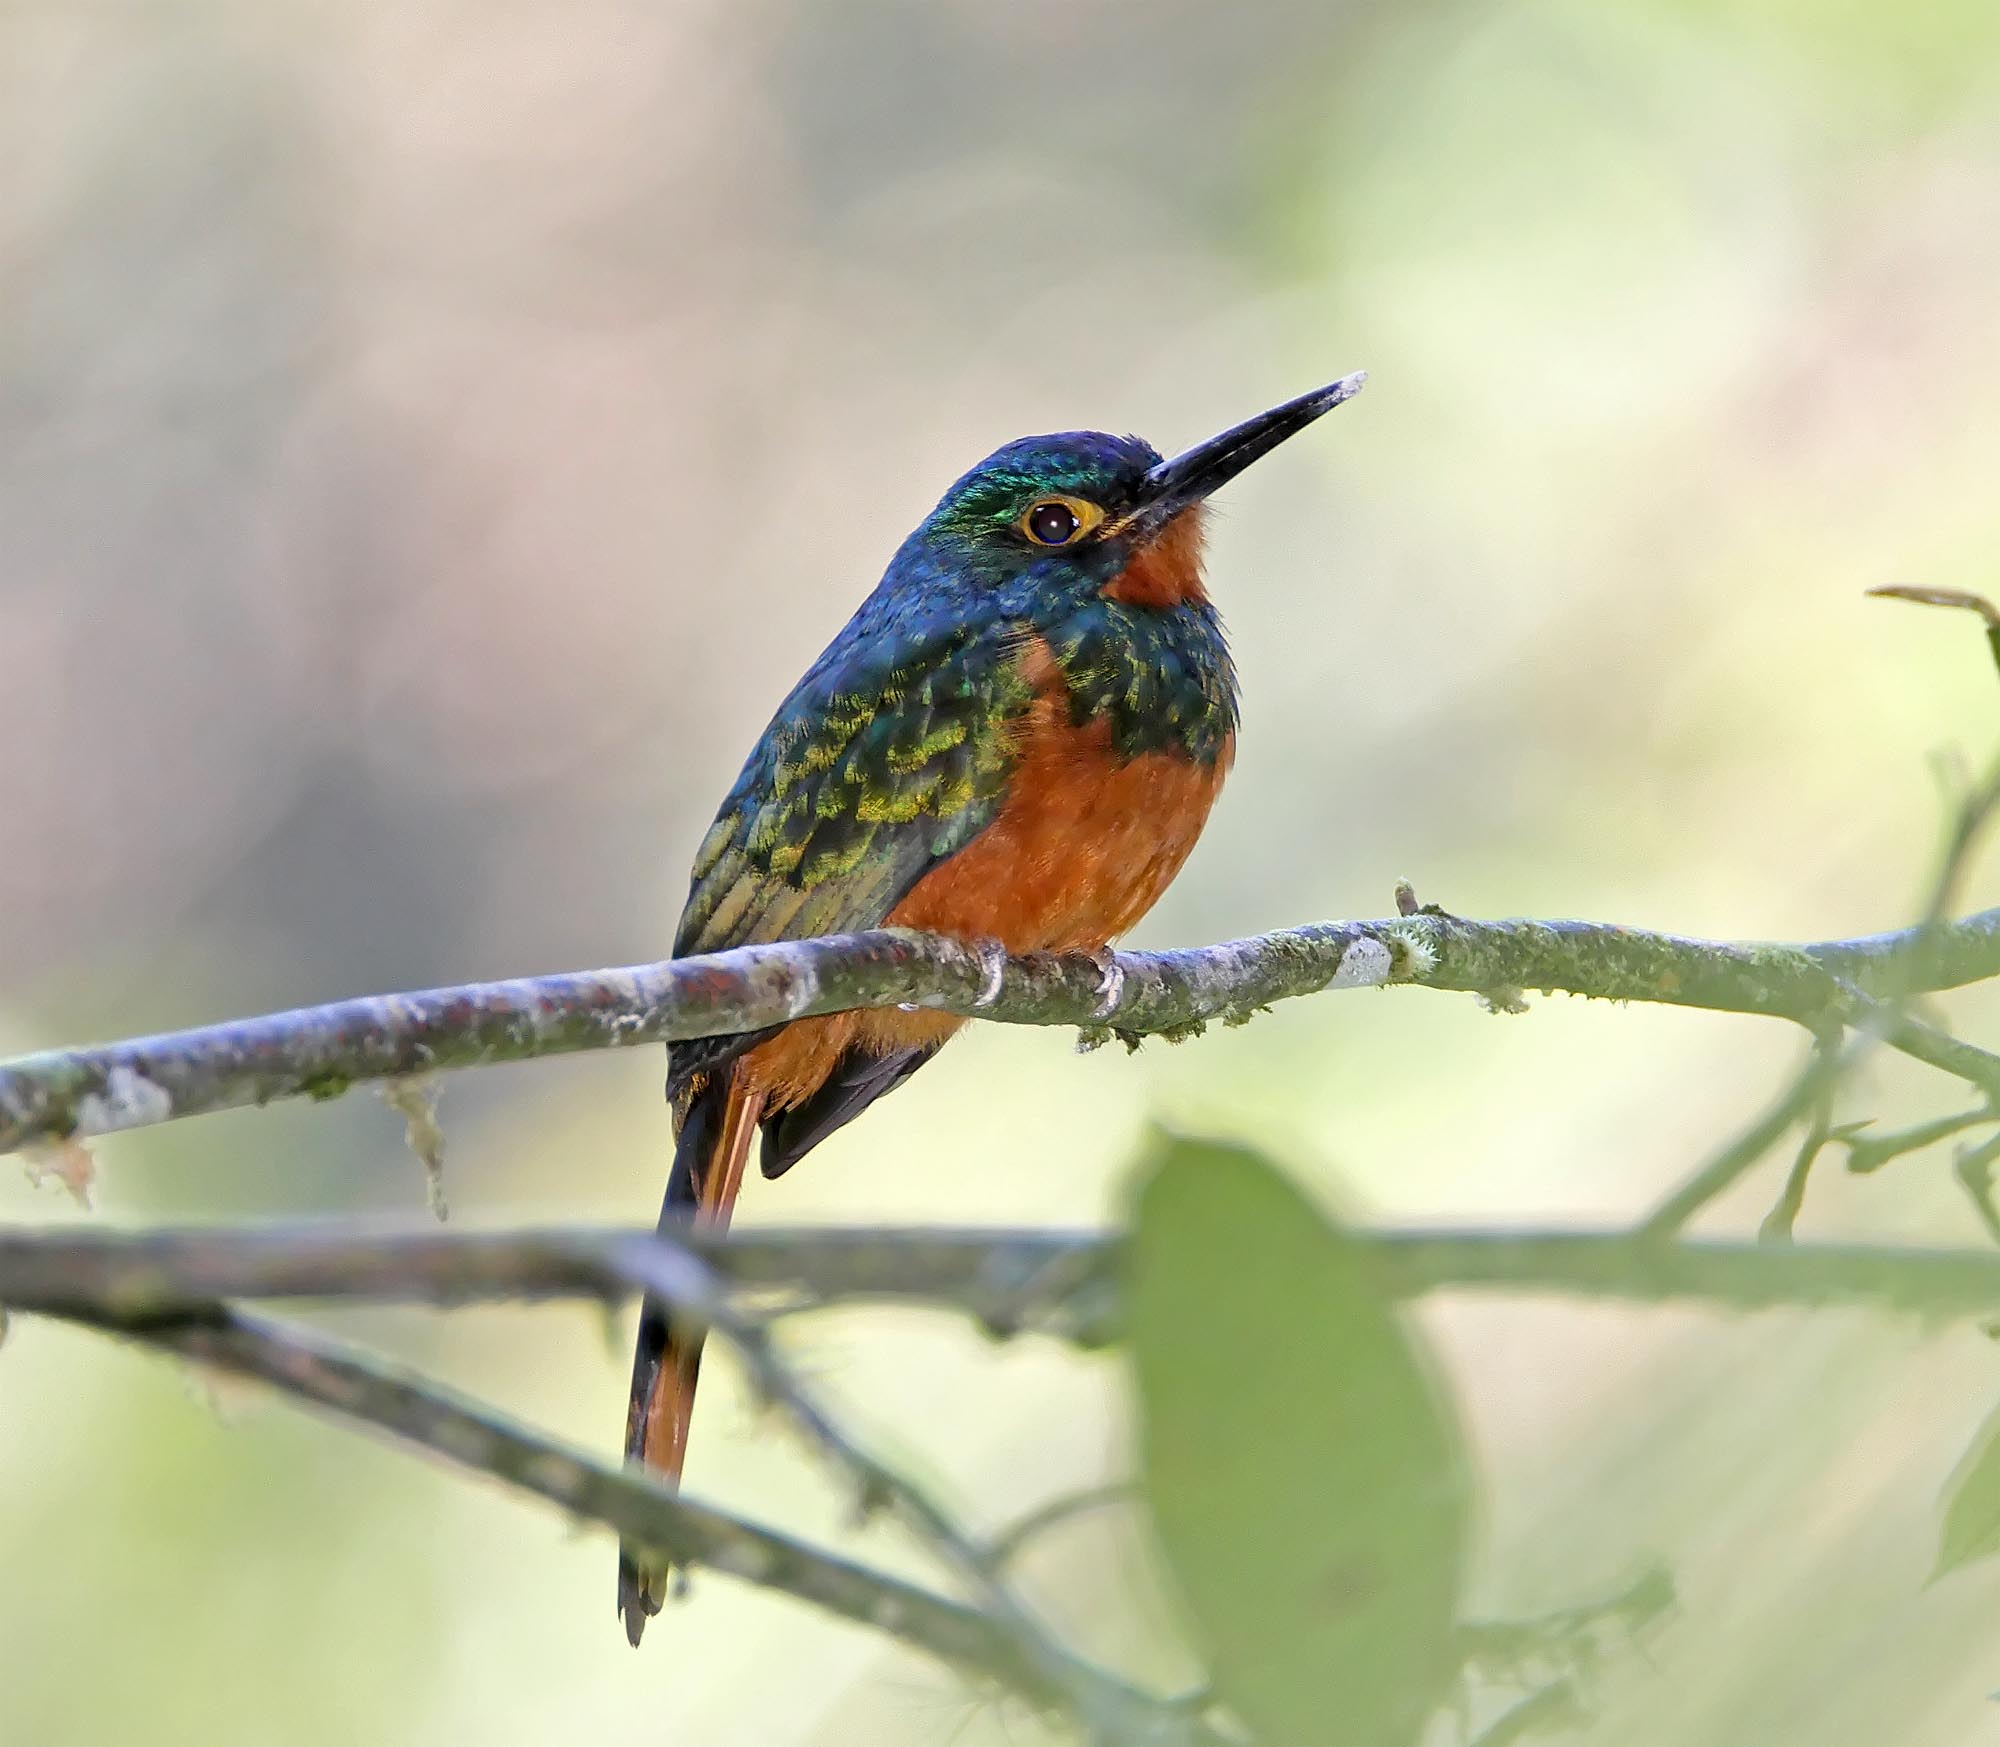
1306	1478
1971	1527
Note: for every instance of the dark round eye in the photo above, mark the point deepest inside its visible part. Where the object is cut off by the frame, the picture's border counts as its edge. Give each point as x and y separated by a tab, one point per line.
1052	523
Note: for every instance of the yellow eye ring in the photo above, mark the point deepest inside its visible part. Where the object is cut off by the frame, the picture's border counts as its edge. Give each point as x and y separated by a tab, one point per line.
1059	521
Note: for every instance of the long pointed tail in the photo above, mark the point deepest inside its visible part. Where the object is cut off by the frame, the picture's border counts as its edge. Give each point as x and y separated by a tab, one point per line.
708	1170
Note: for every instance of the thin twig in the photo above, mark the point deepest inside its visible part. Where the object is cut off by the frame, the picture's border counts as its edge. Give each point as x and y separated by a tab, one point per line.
1565	1638
1556	1706
1868	1152
1813	1083
1974	1170
1013	1540
320	1052
1887	1022
1877	1017
1783	1218
1948	597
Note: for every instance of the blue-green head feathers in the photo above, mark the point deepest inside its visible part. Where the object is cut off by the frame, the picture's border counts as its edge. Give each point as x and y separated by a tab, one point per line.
1090	464
1084	482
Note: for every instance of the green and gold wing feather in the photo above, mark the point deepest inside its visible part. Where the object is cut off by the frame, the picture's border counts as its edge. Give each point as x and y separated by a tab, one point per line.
891	755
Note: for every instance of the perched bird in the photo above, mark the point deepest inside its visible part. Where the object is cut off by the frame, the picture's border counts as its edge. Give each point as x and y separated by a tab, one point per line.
1017	738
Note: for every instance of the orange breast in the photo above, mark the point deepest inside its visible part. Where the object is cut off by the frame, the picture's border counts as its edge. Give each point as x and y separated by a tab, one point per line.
1083	847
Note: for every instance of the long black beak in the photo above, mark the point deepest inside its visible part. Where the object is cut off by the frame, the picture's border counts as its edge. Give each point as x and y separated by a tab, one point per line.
1190	476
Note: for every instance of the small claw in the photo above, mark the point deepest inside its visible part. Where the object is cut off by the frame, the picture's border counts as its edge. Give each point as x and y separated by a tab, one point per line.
993	970
1110	982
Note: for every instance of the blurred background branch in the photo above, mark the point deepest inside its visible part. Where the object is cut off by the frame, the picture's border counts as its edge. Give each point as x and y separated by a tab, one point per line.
1062	1285
363	1390
165	1290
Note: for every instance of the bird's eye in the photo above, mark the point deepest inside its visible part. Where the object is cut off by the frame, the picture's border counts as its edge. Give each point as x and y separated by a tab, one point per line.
1059	521
1053	523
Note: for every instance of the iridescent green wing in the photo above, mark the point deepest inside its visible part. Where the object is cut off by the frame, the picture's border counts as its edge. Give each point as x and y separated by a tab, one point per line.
892	754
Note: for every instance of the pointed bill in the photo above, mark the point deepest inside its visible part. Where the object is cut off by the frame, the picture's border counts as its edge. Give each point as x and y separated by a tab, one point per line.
1190	476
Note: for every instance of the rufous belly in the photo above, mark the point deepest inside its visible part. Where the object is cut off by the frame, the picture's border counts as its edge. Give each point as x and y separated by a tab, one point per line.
1083	847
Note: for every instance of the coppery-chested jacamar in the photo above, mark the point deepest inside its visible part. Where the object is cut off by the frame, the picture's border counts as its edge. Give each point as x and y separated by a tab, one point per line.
1017	738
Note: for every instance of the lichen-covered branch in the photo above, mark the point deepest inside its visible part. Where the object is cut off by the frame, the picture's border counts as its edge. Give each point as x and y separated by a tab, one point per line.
362	1388
1060	1283
321	1051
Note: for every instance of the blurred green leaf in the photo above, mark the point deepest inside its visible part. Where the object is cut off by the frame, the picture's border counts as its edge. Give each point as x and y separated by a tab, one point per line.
1971	1527
1306	1478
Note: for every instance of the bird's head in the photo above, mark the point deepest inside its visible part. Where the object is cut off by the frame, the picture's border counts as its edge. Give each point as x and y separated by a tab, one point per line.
1086	511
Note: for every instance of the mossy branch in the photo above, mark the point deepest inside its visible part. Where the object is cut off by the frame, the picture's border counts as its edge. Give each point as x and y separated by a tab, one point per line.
319	1052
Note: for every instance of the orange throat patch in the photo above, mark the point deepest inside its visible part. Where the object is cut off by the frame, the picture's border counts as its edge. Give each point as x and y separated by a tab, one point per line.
1166	571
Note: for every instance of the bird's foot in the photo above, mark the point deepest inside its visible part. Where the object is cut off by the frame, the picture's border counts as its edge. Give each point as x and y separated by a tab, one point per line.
1110	982
992	958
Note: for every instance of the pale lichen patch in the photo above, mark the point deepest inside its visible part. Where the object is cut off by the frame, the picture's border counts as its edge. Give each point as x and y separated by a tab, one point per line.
1366	963
801	985
127	1100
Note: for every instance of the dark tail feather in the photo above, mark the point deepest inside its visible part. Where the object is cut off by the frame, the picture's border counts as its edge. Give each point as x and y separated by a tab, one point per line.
708	1171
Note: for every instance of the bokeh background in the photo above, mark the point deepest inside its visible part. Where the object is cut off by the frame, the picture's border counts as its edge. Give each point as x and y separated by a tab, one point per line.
432	437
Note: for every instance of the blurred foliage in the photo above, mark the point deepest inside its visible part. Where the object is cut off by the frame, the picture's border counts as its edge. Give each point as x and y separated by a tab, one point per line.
433	436
1306	1481
1971	1527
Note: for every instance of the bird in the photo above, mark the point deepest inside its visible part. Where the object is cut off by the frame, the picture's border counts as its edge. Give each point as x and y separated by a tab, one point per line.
1016	739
